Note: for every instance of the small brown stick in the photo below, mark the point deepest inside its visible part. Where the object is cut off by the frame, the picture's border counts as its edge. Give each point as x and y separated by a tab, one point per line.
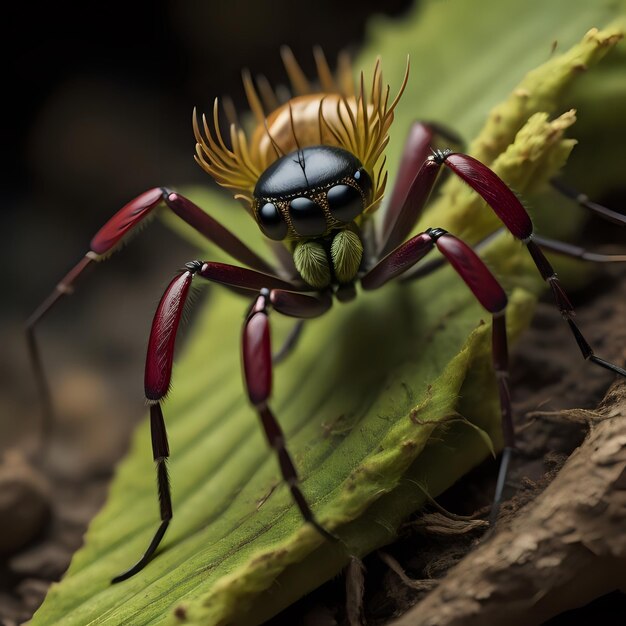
355	587
559	552
425	584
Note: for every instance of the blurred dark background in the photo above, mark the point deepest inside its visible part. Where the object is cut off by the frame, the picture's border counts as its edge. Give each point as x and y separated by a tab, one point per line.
98	102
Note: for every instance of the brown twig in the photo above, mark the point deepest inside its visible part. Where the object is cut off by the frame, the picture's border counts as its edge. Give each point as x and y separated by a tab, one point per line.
560	552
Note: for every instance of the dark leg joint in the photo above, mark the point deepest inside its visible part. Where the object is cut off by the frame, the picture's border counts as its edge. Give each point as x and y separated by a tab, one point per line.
584	346
543	265
435	233
260	305
560	297
439	156
194	266
588	354
308	516
606	365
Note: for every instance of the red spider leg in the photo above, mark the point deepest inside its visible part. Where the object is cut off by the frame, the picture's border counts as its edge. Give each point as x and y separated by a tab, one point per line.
63	287
510	210
486	289
398	261
424	269
160	358
287	303
104	242
583	200
411	190
133	214
157	381
410	193
416	150
299	306
257	367
553	245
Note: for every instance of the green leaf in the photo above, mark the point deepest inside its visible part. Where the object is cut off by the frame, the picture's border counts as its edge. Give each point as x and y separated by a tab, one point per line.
366	399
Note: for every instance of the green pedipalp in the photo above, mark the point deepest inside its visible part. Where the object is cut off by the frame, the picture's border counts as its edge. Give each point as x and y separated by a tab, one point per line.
312	264
346	252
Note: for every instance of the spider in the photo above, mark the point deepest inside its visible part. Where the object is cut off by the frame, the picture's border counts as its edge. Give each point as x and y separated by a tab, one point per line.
312	176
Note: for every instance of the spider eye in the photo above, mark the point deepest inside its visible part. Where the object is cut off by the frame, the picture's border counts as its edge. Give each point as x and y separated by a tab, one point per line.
307	218
345	202
271	222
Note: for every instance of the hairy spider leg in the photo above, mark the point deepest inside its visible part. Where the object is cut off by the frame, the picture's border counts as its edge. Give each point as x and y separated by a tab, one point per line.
257	366
416	178
552	245
505	204
515	218
117	229
511	212
486	289
257	363
412	188
405	204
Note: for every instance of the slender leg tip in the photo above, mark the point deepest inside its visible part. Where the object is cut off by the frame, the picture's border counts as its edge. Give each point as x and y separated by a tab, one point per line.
325	533
608	365
505	460
493	517
146	557
121	577
129	573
